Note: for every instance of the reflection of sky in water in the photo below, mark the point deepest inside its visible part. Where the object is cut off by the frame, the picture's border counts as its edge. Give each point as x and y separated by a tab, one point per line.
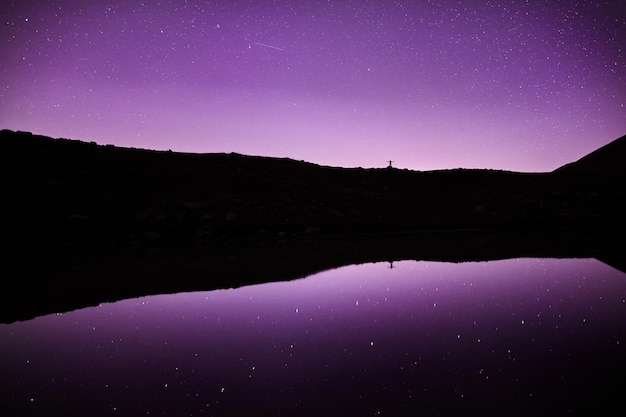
521	334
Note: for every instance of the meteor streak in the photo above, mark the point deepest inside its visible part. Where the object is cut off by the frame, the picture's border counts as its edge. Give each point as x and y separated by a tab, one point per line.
268	46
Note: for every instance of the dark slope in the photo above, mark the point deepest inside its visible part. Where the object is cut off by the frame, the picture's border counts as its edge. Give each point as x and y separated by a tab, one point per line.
607	163
70	192
86	223
593	189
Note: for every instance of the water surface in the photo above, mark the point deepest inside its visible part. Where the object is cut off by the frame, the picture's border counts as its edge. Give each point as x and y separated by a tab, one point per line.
511	337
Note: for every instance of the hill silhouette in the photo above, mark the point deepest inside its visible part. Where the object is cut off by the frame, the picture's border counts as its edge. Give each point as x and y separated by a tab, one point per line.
115	222
605	163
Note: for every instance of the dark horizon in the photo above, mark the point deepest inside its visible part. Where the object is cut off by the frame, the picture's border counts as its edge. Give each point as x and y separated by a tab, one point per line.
162	212
383	164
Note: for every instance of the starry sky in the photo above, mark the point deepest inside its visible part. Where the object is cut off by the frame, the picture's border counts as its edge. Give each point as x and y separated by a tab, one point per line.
430	84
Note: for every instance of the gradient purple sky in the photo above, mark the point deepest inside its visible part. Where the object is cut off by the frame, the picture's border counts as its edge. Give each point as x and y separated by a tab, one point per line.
516	85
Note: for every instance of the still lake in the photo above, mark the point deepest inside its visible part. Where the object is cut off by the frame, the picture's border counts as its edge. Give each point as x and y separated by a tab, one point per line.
509	337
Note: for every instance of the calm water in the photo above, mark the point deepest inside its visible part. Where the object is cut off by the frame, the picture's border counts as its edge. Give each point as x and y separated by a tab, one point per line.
512	337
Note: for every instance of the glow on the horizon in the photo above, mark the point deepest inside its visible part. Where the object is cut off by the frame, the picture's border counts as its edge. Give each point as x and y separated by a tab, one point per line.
432	85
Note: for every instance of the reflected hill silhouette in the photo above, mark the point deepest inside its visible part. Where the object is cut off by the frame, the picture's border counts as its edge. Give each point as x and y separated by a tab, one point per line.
55	284
86	223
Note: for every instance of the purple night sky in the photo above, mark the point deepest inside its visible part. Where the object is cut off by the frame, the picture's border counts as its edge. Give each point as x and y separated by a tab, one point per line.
517	85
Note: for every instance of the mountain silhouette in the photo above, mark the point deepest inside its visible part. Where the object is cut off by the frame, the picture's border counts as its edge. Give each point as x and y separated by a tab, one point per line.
110	222
605	163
